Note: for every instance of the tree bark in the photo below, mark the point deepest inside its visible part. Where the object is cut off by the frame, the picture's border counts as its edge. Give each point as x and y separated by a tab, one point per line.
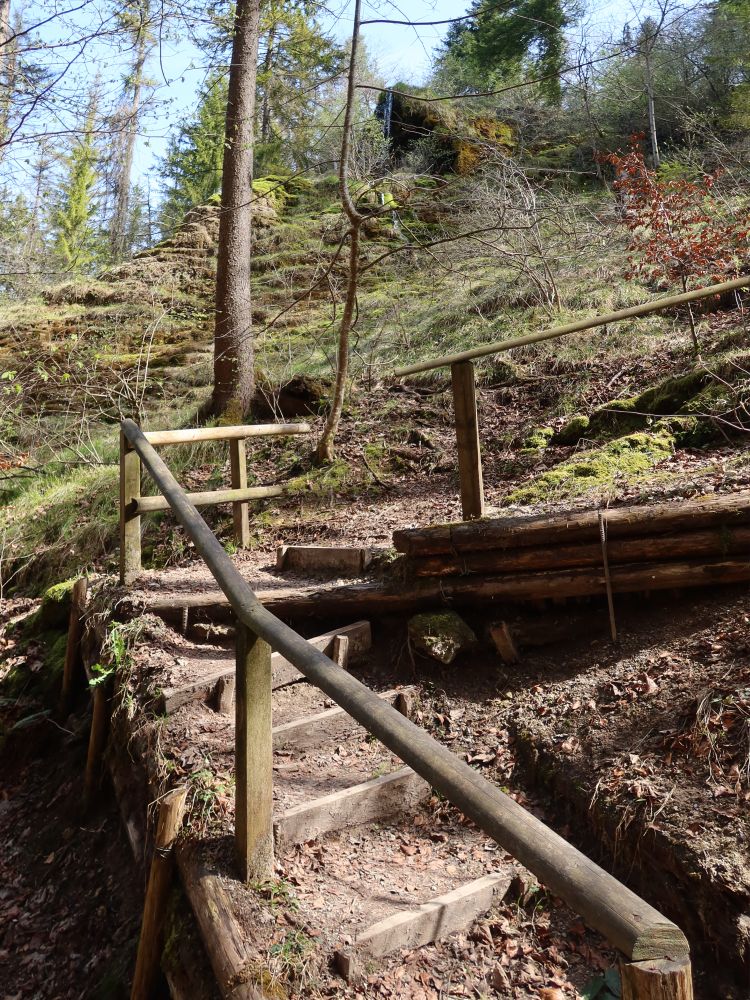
122	200
511	533
325	450
233	348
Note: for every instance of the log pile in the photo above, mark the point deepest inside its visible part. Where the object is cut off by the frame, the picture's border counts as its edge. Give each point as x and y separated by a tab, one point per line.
689	543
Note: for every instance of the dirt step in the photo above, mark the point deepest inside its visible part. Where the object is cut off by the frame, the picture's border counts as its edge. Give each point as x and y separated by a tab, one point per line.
200	671
428	922
370	801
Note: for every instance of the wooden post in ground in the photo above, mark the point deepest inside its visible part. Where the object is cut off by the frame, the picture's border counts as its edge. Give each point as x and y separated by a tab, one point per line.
73	647
238	467
467	439
254	758
658	979
97	742
130	523
171	811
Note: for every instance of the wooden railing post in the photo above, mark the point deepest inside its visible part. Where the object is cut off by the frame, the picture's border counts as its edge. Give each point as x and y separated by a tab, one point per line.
467	439
171	811
658	979
73	646
238	466
130	522
254	758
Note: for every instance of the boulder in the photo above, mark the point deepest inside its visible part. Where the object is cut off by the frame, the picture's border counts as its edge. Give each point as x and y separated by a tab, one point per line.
441	635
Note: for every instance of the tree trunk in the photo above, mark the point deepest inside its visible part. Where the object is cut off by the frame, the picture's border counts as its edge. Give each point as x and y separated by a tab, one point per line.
656	162
265	118
324	451
122	200
233	348
8	61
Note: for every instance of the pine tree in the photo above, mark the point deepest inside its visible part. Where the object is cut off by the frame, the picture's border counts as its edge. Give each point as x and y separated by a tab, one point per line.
502	37
191	170
74	233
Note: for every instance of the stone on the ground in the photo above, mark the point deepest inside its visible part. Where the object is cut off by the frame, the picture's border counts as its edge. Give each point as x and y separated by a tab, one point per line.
441	635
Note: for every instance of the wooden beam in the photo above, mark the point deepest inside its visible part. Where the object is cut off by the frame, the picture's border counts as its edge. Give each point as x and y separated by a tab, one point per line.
426	923
227	943
97	743
711	543
253	758
389	795
73	646
467	440
240	514
150	505
130	522
171	811
377	599
655	305
512	533
658	979
191	434
331	560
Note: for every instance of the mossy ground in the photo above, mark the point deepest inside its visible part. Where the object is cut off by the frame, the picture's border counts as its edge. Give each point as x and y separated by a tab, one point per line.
597	472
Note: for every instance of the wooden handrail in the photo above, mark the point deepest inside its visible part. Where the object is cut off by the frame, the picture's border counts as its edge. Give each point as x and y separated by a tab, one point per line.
190	435
638	930
576	326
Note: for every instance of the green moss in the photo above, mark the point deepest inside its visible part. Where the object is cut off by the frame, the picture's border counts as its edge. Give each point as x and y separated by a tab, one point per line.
672	394
537	439
628	458
322	480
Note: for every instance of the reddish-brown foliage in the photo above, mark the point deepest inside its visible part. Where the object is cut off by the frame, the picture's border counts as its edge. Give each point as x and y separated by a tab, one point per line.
679	228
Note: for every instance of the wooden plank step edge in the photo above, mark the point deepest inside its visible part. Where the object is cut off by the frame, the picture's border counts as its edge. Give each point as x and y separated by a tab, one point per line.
333	723
377	799
341	560
425	923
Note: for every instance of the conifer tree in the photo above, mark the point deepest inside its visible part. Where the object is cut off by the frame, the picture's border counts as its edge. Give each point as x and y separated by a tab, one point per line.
74	232
191	170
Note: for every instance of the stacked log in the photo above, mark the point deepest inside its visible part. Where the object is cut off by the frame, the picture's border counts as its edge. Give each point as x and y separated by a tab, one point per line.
690	543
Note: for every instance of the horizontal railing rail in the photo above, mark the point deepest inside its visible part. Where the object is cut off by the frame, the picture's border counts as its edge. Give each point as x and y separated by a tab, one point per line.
630	312
463	379
133	506
639	931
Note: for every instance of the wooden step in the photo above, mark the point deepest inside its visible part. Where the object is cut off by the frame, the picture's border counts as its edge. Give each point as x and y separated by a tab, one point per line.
323	560
208	676
424	924
380	798
333	724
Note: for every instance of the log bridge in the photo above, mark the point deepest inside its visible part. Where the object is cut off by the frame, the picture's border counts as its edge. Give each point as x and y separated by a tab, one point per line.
655	960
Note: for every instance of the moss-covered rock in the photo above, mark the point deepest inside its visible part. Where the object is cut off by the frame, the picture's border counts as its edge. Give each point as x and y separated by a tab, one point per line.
572	431
441	635
628	458
54	610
